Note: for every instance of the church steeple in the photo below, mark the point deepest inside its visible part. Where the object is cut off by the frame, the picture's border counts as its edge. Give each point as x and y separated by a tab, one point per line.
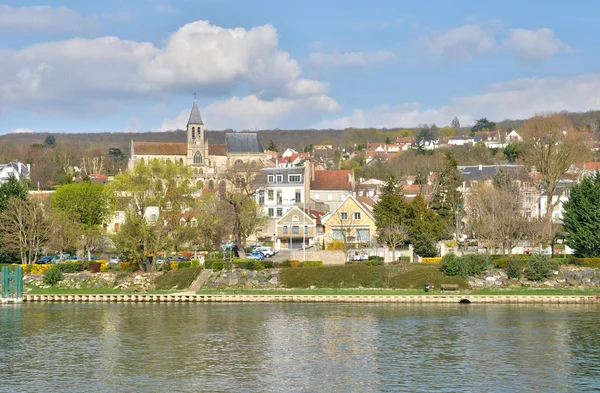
195	117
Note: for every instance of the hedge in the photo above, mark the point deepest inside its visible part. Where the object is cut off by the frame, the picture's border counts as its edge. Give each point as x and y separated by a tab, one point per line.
311	263
585	262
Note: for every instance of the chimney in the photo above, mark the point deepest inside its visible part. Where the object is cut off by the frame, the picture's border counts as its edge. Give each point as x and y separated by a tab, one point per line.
480	167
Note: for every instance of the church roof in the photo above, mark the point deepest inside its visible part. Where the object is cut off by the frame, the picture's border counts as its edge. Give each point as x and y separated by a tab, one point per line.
217	150
195	117
160	148
243	142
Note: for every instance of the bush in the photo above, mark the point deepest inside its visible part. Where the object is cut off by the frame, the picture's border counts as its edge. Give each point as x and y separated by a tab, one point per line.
104	267
311	263
94	267
70	267
540	268
286	263
195	263
269	264
403	259
375	258
374	262
336	245
514	267
184	264
220	265
467	265
586	262
248	264
53	276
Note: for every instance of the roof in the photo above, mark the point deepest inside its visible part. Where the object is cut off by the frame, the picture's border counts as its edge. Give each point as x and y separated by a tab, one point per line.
332	180
217	150
591	166
284	172
369	202
195	117
243	142
365	207
487	172
160	148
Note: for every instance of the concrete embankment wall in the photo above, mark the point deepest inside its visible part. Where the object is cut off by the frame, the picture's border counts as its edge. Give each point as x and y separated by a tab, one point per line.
194	298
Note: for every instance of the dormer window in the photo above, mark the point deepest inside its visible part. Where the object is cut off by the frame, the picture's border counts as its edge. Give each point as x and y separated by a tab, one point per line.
169	206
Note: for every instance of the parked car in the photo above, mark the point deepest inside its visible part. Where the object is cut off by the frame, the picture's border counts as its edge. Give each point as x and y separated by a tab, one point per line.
46	259
114	260
259	256
267	251
159	260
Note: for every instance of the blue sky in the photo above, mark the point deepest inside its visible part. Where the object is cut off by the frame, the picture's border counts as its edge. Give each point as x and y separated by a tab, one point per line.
117	66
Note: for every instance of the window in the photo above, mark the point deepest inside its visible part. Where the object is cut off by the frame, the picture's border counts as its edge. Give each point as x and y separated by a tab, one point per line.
279	212
294	178
211	184
329	197
279	178
270	178
279	197
285	230
527	213
527	197
363	235
271	195
169	206
344	215
193	132
305	230
271	212
298	196
295	230
183	206
316	196
357	215
337	234
525	185
198	158
194	222
261	197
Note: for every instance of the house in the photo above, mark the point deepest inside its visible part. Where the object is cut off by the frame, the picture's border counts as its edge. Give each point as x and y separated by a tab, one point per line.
288	152
295	228
369	188
513	136
331	187
271	154
322	147
352	222
377	147
293	160
460	141
282	188
17	169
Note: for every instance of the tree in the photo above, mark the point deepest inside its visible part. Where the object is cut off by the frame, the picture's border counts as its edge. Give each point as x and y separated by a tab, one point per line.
116	159
272	146
83	202
483	124
551	146
446	197
581	218
424	137
63	232
164	186
213	225
24	228
395	235
390	214
512	152
424	226
9	189
455	124
240	183
447	132
50	142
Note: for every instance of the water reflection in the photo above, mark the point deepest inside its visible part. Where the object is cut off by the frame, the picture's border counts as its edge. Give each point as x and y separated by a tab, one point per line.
298	348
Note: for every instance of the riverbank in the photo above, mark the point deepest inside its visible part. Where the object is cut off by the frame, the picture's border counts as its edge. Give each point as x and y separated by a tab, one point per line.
291	298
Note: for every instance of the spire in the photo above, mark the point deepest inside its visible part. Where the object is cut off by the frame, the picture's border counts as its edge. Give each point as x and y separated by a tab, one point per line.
195	117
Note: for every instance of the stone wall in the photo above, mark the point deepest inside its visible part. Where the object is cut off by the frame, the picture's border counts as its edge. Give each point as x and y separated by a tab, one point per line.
268	278
114	280
327	256
565	277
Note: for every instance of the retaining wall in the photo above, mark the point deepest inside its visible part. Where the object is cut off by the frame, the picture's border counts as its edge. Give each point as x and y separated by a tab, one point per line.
194	298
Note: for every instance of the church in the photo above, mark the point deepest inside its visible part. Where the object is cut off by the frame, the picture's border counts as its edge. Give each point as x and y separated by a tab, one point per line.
208	160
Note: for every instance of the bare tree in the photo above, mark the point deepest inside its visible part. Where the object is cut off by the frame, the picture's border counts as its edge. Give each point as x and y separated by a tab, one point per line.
344	224
394	234
551	145
63	232
24	228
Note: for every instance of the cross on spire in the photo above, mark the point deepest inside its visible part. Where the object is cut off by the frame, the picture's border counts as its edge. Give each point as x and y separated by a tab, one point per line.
194	96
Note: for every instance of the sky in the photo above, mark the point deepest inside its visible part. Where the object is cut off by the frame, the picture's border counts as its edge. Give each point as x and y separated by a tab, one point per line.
135	66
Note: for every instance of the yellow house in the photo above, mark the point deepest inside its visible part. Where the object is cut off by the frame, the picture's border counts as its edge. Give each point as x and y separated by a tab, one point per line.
351	222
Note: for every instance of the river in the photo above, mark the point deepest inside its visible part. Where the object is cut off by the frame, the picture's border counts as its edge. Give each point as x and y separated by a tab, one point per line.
149	347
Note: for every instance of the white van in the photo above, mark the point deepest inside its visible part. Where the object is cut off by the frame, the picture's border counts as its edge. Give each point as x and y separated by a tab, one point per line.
267	251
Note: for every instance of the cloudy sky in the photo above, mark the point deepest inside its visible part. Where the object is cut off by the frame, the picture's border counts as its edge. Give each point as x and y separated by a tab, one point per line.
116	65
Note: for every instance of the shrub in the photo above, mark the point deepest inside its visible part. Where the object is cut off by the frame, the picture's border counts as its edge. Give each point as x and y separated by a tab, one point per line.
311	263
124	265
94	267
53	276
450	265
404	259
589	262
375	258
70	267
26	268
184	264
39	269
476	264
372	263
467	265
173	265
104	267
336	245
286	263
255	265
195	263
268	264
248	264
540	268
514	267
220	265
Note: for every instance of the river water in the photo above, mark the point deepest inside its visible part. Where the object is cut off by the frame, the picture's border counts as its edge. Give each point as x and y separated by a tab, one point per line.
298	348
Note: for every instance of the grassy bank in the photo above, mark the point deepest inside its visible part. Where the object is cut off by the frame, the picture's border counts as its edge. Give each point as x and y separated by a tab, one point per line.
177	279
88	291
360	276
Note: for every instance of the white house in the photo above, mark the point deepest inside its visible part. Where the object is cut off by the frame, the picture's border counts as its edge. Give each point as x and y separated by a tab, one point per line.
461	141
17	169
289	152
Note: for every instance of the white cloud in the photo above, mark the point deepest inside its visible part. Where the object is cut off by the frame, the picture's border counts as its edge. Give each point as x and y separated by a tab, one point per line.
516	99
350	59
533	45
40	18
164	7
459	43
21	131
99	75
252	112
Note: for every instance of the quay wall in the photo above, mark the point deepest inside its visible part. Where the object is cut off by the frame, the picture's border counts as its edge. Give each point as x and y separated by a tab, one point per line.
202	298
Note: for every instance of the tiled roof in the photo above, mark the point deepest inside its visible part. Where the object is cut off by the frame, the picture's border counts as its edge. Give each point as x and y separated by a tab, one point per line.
366	201
332	180
591	166
243	142
217	150
160	148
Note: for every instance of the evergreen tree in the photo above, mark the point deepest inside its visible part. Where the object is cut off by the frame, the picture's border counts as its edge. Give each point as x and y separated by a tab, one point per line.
424	226
582	217
272	146
391	207
50	141
12	188
447	198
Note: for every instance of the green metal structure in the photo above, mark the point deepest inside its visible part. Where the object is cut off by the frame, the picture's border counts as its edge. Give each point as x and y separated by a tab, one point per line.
12	284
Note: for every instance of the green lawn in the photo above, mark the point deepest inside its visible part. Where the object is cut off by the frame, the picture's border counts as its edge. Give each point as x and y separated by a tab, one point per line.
538	291
86	291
